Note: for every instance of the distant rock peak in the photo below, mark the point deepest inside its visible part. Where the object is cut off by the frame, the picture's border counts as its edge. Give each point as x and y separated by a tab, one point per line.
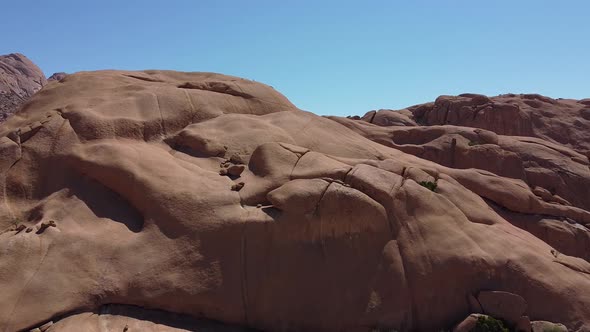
20	78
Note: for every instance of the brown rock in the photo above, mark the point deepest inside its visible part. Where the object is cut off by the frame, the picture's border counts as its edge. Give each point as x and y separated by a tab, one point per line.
474	304
486	136
19	80
345	237
20	228
544	326
543	193
236	170
237	186
46	326
467	324
57	76
538	162
122	318
503	305
516	115
44	225
523	324
390	118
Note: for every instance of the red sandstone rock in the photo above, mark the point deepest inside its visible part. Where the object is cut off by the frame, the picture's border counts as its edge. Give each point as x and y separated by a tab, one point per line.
544	326
333	228
19	80
523	324
57	76
562	121
467	324
503	305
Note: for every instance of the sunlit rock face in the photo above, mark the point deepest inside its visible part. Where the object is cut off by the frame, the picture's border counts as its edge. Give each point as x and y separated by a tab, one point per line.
168	195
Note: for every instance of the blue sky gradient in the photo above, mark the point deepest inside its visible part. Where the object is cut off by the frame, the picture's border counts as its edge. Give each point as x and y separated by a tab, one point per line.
328	57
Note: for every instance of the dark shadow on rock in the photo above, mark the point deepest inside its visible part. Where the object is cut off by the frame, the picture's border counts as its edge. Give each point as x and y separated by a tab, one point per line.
105	203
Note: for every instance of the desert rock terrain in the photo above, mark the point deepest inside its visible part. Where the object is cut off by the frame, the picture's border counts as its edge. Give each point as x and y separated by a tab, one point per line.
20	78
154	200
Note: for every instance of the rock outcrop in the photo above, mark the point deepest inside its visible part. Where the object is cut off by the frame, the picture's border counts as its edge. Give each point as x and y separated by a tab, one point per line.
57	76
20	78
562	121
212	196
556	172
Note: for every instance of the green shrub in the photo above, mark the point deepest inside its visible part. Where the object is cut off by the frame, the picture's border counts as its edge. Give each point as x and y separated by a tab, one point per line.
429	185
489	324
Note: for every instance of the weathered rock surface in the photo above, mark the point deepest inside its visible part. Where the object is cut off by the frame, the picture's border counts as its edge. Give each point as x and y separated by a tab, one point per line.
544	326
467	324
122	318
19	80
502	305
330	230
557	174
562	121
57	76
523	324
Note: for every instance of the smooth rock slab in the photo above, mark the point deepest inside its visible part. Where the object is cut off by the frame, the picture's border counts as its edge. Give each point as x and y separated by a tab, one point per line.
544	326
503	305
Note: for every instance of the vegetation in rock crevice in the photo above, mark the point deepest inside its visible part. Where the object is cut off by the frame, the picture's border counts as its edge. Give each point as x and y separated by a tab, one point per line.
489	324
429	185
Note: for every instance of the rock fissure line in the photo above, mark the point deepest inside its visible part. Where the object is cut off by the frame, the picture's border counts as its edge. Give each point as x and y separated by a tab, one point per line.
162	124
373	117
317	213
244	269
5	184
26	285
145	79
296	162
190	102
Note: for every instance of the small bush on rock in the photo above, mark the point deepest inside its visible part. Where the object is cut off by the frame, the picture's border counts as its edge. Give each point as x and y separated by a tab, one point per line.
429	185
489	324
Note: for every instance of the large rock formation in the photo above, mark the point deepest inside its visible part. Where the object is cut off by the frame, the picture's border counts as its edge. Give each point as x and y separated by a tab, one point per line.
19	80
511	145
214	197
561	121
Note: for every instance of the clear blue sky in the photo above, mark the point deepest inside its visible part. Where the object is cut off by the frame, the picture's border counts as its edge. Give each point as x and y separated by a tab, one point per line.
328	57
